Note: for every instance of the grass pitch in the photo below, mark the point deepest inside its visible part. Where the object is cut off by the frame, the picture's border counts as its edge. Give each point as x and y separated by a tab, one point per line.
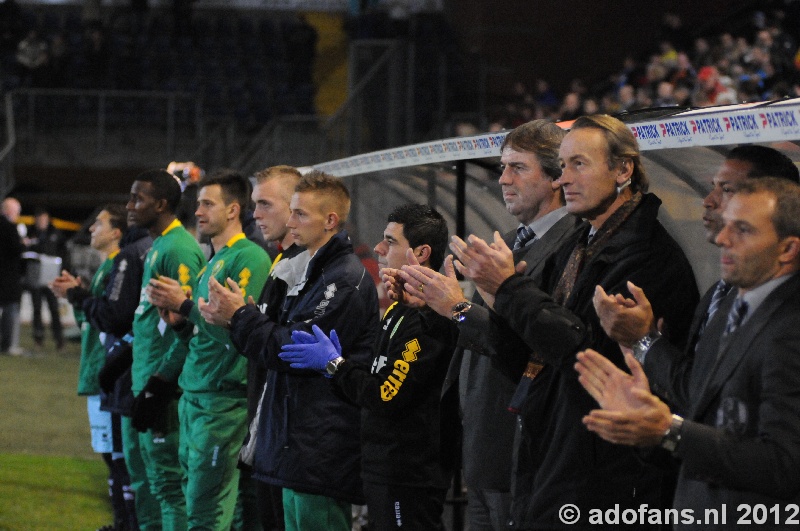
50	479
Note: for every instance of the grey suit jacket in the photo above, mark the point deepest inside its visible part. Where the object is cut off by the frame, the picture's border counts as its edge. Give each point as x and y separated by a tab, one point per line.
485	388
741	438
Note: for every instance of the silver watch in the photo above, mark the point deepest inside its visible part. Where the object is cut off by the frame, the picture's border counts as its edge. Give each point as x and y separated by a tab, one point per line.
333	365
672	436
641	347
459	311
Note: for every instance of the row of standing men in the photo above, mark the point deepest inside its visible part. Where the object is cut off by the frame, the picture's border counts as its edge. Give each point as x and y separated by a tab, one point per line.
586	220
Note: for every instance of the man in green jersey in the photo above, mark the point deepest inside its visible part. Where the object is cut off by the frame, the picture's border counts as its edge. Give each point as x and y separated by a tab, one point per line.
213	407
107	230
157	357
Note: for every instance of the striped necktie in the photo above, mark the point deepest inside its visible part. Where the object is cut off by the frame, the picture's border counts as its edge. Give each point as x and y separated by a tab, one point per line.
736	316
722	289
524	235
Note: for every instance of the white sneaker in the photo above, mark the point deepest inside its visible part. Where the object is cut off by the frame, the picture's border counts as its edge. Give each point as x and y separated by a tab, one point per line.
16	351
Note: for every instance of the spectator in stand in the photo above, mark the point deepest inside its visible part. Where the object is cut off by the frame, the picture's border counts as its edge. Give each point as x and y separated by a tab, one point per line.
683	72
664	95
626	96
590	106
46	240
702	53
32	59
571	108
97	59
544	96
709	88
59	63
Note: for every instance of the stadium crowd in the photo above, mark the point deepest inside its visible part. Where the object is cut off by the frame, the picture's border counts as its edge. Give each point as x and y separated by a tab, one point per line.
758	61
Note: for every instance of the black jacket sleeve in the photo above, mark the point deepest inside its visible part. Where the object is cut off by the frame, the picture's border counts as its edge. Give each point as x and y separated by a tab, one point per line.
409	367
113	312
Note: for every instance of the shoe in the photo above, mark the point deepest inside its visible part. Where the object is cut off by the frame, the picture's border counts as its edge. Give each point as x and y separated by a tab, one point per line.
16	351
106	528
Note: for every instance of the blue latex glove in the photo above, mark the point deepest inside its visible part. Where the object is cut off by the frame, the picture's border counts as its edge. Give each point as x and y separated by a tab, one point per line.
311	352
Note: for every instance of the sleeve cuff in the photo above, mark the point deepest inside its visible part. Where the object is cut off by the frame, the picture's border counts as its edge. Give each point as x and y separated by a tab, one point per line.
186	308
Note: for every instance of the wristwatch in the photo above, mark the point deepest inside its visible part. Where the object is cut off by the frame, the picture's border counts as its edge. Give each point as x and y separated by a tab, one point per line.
641	347
333	365
460	311
672	436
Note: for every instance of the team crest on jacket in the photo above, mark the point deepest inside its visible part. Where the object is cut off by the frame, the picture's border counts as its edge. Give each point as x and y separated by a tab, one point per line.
330	291
217	267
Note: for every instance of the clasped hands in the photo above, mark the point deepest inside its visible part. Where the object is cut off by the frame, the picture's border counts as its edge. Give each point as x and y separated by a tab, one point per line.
311	351
488	265
631	414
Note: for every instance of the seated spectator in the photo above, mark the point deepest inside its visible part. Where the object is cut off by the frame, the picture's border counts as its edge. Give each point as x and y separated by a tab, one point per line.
32	58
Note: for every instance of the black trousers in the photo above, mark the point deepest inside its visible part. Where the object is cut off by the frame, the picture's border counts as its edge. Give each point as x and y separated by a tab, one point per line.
55	318
395	507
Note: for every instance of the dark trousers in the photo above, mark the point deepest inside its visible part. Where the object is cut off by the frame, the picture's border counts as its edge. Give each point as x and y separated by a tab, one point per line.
394	507
270	505
55	319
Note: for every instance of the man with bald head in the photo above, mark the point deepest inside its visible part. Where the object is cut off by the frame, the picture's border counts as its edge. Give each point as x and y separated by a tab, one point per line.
10	277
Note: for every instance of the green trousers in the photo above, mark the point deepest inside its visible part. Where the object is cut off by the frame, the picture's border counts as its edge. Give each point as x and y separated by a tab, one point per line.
213	427
312	512
148	511
159	452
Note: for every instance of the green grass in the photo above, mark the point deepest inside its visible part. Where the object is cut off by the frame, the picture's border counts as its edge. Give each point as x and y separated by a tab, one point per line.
50	479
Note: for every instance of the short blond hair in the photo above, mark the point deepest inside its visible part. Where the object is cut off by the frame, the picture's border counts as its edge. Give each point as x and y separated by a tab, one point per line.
335	195
287	175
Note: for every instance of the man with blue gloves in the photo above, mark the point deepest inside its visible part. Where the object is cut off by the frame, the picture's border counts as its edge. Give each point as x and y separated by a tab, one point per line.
405	475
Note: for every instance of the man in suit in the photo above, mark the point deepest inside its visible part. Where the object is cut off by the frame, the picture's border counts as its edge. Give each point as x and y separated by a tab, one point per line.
737	435
529	156
604	181
741	163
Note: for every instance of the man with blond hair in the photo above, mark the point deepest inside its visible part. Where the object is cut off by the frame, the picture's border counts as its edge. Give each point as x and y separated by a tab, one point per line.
305	440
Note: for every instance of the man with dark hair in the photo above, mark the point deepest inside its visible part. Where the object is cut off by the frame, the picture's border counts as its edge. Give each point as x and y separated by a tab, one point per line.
603	181
530	167
403	462
304	440
157	357
213	406
272	194
112	313
49	243
107	231
733	400
741	164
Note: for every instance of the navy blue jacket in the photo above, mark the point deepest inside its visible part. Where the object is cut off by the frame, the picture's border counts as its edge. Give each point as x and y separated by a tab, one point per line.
307	438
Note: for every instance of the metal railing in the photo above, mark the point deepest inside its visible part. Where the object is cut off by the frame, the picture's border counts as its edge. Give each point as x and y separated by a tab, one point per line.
7	153
105	124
